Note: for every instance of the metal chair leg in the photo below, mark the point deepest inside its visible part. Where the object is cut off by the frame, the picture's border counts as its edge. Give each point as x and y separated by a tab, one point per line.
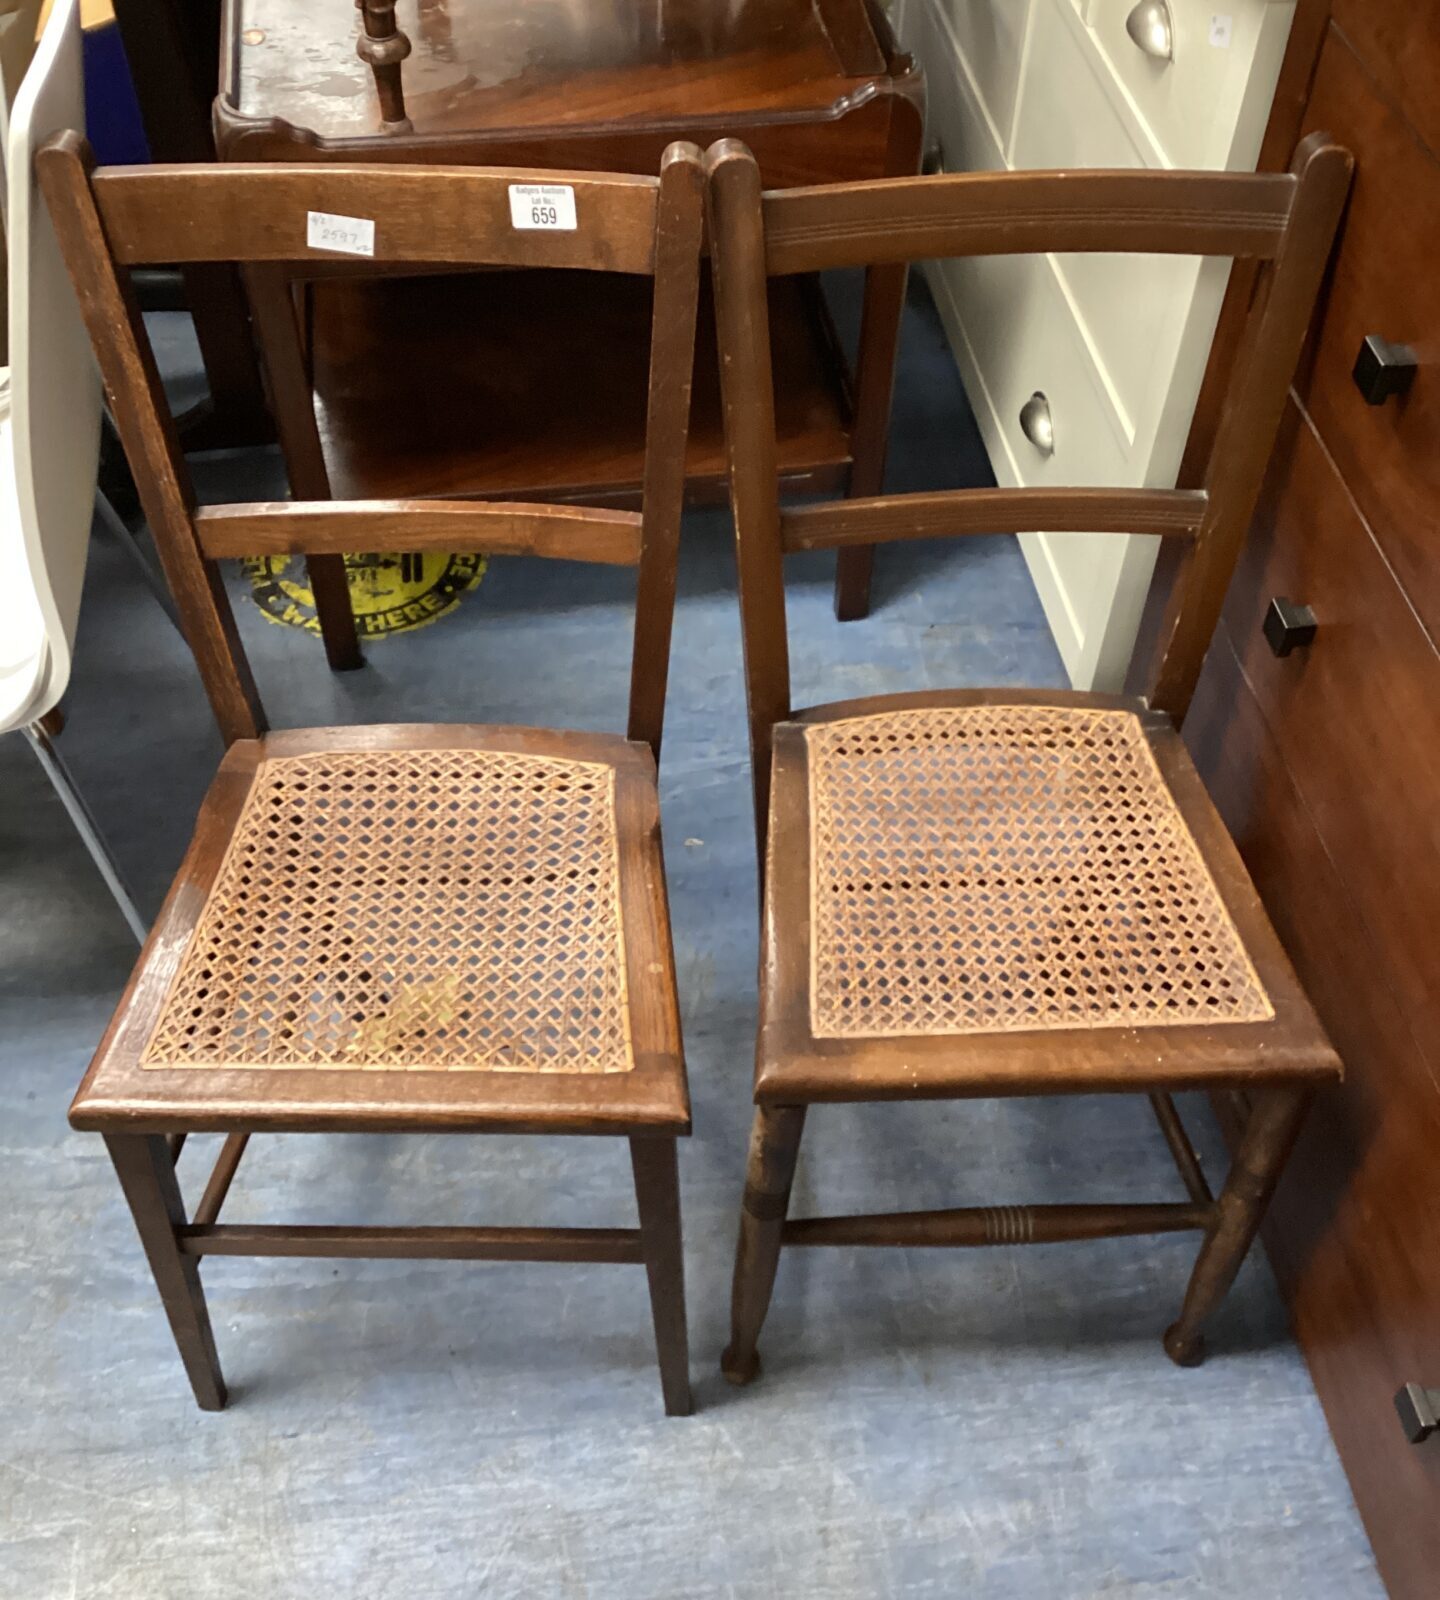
85	825
114	524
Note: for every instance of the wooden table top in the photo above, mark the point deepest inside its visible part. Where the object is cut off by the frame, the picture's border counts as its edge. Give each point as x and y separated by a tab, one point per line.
495	64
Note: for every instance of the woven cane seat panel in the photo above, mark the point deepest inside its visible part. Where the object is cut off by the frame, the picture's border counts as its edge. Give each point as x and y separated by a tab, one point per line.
410	910
992	869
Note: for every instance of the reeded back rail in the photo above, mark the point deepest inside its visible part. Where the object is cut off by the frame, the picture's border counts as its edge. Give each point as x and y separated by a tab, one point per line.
974	892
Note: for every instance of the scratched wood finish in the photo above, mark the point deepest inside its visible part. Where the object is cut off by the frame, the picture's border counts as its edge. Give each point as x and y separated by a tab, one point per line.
109	220
1286	221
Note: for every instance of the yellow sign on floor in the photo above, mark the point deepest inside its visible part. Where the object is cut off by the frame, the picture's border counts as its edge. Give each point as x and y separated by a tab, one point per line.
388	594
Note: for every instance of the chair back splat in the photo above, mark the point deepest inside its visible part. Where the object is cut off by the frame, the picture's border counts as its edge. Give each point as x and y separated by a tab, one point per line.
111	220
1286	221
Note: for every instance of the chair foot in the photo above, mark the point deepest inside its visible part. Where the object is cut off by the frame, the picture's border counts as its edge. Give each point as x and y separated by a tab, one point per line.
1183	1351
657	1196
738	1371
1264	1147
774	1146
146	1169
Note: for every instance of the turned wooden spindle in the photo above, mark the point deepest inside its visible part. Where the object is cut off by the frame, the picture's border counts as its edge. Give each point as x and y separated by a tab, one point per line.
384	47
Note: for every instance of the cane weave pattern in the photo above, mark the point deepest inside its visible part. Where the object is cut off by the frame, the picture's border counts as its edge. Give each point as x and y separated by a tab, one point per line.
995	869
410	910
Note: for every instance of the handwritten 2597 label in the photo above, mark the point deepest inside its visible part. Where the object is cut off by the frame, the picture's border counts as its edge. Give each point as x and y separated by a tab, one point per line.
351	236
542	205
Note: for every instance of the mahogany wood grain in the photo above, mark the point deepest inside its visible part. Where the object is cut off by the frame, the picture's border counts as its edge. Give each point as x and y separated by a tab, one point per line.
1384	282
1355	1224
1399	42
1323	768
574	533
1356	715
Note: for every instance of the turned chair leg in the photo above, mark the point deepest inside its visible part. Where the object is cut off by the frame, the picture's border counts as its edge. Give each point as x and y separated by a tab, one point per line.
1264	1147
146	1170
657	1195
774	1145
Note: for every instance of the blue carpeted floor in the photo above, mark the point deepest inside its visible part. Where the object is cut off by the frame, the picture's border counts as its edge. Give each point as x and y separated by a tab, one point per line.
988	1425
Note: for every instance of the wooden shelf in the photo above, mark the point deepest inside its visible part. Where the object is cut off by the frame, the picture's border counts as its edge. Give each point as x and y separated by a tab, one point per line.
532	386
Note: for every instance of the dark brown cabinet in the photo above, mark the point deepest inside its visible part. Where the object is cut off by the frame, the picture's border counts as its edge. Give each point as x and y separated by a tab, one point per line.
1326	762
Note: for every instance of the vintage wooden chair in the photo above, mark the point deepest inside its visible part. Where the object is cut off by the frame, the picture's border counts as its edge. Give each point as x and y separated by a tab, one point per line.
518	976
990	893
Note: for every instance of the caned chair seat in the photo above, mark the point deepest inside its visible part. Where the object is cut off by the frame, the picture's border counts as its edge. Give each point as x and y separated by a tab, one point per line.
459	925
966	887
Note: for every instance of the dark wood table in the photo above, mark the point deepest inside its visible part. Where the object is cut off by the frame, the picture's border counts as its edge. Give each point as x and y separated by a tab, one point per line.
817	88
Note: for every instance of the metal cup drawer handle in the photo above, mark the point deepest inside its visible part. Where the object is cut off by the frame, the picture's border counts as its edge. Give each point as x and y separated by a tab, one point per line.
1037	424
1153	30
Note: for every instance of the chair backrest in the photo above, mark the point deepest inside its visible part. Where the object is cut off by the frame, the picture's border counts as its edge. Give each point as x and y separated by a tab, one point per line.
1286	221
55	395
111	220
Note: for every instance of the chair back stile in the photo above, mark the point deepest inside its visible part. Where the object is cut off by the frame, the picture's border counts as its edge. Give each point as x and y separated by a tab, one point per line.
1286	221
256	217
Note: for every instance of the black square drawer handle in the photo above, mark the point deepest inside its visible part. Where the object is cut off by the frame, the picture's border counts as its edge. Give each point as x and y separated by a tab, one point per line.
1287	625
1383	369
1419	1410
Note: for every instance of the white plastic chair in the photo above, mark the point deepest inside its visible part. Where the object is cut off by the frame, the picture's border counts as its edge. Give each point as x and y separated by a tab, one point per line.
50	418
